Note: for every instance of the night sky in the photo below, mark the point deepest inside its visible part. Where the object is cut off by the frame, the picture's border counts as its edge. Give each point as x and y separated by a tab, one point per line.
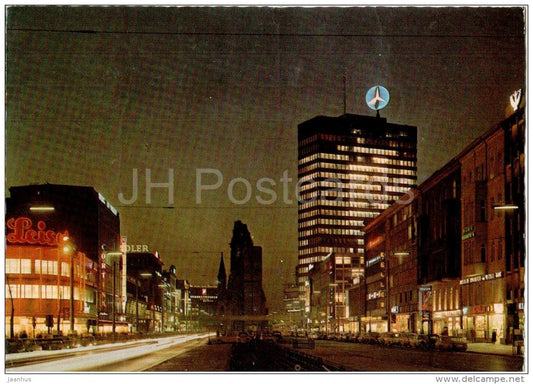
95	92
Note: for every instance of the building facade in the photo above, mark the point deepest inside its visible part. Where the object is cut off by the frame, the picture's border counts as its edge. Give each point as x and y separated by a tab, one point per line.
439	249
350	168
463	238
57	238
390	282
492	280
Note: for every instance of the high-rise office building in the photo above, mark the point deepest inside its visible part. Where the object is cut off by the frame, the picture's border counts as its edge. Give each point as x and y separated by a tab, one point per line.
350	169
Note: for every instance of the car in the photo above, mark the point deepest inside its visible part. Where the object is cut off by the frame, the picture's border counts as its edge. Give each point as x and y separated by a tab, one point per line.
353	338
277	335
369	338
391	338
451	343
408	340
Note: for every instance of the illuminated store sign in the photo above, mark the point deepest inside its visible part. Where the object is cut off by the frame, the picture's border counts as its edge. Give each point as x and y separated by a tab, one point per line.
372	243
476	279
374	260
108	204
137	248
515	99
468	233
22	233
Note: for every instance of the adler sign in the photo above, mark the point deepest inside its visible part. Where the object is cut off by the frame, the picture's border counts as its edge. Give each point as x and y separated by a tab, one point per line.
22	232
137	248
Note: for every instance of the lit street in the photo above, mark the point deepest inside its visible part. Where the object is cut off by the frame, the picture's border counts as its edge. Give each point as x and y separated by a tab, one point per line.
198	353
126	357
364	357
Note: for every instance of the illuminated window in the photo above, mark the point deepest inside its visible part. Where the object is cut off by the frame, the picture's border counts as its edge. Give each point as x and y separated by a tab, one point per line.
65	269
49	292
25	266
12	291
49	267
12	266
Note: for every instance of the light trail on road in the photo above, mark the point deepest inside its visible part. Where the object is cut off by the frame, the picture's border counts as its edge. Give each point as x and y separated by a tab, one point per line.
99	357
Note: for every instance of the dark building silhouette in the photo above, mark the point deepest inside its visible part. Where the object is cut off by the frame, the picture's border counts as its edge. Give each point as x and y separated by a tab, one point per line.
243	300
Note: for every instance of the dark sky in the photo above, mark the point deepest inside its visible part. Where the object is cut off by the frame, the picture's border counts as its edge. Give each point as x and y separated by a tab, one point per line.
95	92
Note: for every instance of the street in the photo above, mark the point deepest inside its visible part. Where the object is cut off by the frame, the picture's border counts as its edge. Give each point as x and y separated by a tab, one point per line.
197	353
133	356
365	357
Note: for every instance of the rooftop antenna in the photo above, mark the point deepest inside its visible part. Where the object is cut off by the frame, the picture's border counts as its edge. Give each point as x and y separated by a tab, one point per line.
344	92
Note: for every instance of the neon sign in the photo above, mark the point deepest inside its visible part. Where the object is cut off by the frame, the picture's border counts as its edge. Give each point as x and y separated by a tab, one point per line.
515	99
372	243
22	233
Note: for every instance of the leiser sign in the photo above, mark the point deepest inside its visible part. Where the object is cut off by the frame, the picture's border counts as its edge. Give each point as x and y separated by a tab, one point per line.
22	231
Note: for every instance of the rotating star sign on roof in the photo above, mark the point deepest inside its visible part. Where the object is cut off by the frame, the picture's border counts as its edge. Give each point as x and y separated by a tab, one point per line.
377	97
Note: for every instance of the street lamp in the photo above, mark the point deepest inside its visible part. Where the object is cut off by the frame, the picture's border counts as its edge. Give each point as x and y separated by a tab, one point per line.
70	249
505	207
114	255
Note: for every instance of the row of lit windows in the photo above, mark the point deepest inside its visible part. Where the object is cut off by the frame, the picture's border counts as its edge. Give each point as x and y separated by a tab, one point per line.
44	267
331	231
324	156
33	291
372	151
309	223
355	195
23	266
338	213
304	263
353	184
344	204
338	184
305	243
339	176
396	188
353	177
349	167
445	299
339	195
361	159
402	163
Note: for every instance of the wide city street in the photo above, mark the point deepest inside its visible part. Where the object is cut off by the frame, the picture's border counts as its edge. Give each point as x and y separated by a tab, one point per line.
200	353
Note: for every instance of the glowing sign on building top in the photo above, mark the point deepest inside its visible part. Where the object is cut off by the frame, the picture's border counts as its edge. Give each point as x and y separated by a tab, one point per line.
515	99
23	233
377	97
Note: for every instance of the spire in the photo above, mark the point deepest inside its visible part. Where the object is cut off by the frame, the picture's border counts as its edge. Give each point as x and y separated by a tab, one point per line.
221	277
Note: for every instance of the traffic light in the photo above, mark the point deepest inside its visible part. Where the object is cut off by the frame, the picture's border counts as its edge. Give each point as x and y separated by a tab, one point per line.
49	321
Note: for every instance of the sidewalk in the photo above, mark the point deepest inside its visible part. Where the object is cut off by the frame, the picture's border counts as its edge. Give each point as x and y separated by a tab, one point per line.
494	349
